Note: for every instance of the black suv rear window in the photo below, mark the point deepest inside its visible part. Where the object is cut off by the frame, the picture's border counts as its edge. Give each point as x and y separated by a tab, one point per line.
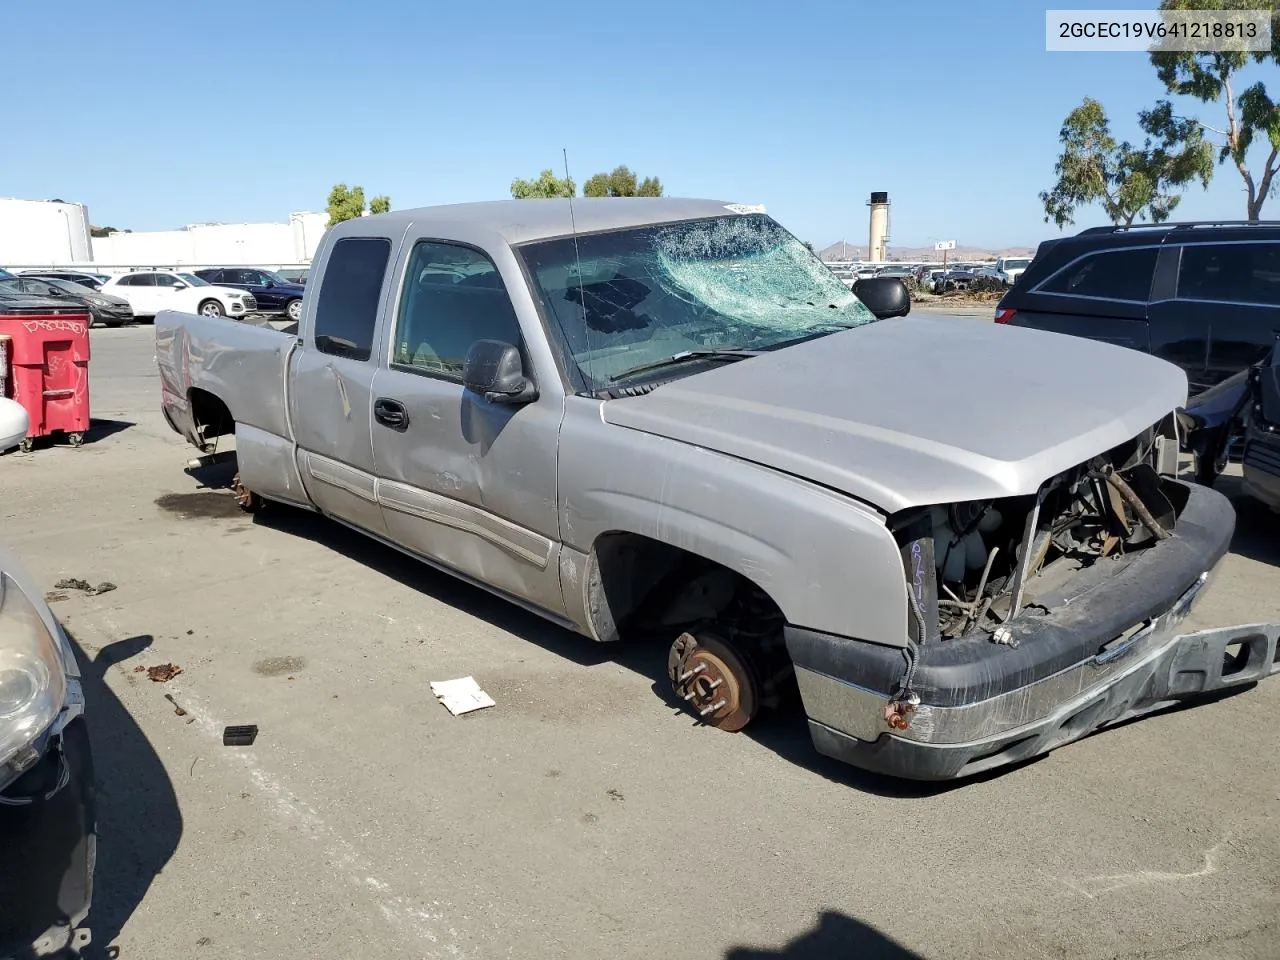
1109	274
1230	273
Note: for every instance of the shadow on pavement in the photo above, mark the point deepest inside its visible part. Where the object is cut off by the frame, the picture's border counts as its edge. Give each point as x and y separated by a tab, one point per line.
836	937
101	429
139	823
1257	533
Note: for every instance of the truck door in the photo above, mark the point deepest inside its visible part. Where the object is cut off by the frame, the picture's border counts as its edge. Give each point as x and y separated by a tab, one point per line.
463	481
330	379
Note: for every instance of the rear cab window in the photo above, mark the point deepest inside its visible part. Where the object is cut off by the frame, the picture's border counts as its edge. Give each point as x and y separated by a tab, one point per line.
350	288
1107	275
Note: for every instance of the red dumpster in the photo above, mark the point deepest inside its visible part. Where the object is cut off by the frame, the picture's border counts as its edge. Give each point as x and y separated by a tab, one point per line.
46	367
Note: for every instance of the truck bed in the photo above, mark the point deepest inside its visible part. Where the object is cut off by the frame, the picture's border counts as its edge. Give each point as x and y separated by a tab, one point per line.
241	364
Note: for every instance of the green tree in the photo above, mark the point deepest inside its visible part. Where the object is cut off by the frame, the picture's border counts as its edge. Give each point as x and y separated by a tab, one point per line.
345	203
1208	77
621	182
380	204
1129	182
546	185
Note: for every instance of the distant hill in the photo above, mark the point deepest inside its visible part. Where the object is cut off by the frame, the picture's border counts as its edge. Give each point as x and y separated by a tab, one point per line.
840	250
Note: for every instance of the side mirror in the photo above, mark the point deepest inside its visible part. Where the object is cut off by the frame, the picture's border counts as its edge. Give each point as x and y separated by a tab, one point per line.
884	296
179	286
495	370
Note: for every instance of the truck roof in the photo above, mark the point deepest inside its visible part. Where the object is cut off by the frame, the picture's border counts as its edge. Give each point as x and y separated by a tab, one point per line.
519	221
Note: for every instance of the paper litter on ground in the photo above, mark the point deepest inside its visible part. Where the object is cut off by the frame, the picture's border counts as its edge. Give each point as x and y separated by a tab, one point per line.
462	695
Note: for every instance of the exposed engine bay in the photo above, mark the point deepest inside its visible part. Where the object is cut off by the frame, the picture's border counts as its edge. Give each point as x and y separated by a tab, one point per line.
973	566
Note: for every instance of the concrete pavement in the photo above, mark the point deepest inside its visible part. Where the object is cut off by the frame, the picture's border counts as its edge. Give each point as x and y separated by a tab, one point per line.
583	816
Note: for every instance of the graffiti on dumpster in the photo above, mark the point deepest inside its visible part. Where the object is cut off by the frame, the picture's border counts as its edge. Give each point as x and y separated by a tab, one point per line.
68	326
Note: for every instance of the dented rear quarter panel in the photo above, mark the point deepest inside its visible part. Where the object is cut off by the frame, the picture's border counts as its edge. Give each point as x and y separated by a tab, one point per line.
241	364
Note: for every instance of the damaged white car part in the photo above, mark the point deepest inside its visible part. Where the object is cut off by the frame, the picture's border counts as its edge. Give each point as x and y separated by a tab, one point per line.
48	839
33	684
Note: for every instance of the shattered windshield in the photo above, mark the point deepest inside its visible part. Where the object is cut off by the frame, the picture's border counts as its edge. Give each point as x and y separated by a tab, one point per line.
626	298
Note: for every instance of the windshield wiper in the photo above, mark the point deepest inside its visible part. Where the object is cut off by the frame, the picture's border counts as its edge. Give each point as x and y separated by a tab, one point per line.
725	353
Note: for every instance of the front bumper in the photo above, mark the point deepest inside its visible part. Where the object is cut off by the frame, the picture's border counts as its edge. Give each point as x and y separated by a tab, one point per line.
1113	653
47	850
113	315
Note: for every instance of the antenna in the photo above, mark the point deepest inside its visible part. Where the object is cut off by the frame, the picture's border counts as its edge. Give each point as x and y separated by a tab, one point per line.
573	226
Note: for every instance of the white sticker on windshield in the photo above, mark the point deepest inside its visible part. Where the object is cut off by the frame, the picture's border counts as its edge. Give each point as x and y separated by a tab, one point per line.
744	207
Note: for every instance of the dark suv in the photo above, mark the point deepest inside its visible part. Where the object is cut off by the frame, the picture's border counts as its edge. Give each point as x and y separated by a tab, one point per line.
273	292
1205	296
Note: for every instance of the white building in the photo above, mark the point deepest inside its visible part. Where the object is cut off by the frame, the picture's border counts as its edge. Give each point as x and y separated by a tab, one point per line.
226	244
44	232
47	233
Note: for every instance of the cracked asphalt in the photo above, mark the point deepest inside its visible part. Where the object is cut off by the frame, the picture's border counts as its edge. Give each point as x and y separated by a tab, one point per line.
583	816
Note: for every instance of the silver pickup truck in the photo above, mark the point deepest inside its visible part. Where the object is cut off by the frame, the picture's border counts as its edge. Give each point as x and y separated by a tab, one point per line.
667	420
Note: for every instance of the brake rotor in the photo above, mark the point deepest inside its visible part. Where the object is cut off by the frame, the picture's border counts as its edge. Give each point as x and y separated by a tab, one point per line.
248	500
714	679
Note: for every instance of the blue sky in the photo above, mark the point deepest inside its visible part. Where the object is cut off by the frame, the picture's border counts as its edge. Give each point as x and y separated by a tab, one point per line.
247	111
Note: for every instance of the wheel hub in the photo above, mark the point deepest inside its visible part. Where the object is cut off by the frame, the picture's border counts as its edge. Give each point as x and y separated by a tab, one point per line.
714	679
244	496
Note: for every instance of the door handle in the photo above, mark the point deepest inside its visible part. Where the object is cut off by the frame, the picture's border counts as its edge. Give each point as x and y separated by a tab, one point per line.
391	413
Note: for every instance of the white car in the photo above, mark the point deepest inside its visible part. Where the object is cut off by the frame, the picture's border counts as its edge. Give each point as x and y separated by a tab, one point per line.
150	291
14	423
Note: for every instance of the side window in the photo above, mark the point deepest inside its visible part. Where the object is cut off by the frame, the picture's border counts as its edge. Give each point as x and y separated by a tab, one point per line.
165	280
140	280
214	276
1110	275
246	277
125	282
453	296
1230	272
347	310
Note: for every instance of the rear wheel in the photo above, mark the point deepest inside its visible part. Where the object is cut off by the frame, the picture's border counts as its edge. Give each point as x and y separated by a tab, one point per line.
212	308
293	310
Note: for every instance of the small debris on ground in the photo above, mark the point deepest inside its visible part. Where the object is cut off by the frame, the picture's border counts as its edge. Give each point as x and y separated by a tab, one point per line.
615	794
84	586
461	696
178	711
240	736
53	597
162	672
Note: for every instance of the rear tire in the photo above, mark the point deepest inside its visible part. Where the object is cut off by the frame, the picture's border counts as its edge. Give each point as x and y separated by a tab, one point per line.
293	310
211	308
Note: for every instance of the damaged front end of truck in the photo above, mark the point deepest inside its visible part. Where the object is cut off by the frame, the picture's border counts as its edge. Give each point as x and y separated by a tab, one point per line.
1035	620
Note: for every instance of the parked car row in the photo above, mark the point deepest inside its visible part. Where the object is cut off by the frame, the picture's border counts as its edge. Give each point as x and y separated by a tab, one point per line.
114	300
104	307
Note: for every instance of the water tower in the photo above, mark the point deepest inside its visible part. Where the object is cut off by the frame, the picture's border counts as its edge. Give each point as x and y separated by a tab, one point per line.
879	239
